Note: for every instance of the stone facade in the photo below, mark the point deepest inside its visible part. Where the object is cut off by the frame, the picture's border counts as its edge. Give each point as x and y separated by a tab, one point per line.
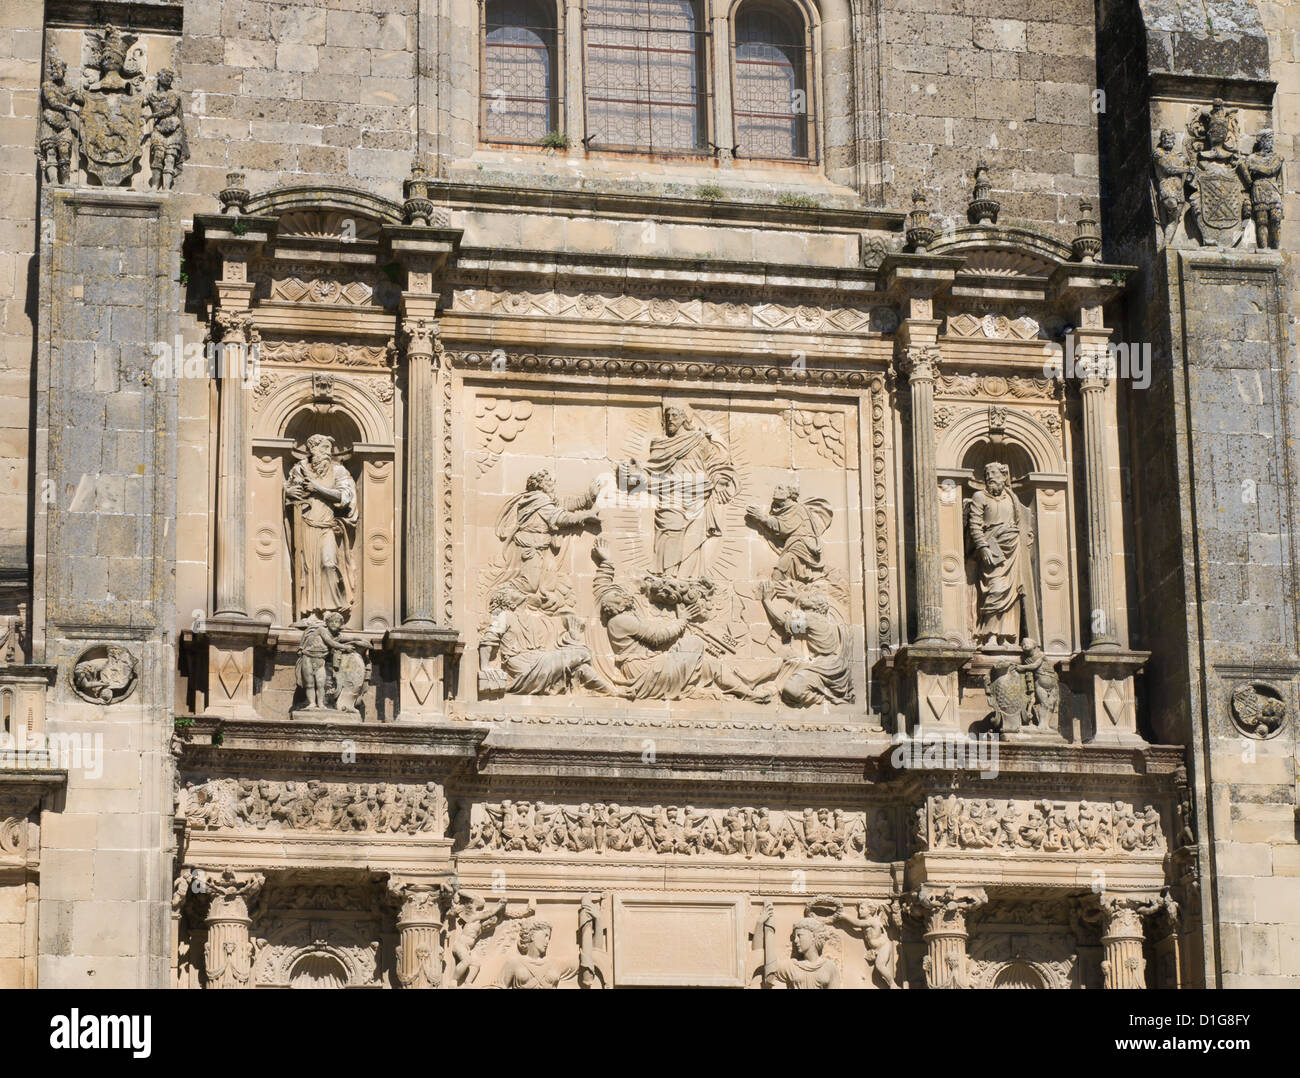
478	535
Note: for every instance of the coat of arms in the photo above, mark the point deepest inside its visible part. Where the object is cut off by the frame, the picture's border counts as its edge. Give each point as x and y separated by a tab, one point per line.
1218	200
111	118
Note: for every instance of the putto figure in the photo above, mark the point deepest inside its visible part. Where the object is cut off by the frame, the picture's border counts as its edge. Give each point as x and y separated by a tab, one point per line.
689	477
1001	537
60	115
1261	172
321	500
168	145
329	671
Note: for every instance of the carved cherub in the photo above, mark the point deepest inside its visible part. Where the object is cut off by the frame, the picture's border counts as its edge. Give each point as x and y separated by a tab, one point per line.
882	952
475	918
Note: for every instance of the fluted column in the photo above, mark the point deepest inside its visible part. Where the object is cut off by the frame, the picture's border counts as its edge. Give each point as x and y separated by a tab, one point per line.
234	332
946	935
419	562
921	366
1123	964
419	927
228	955
1093	377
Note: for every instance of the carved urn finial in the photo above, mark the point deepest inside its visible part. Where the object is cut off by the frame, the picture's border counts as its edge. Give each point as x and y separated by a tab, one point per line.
417	209
920	229
983	209
234	196
1086	244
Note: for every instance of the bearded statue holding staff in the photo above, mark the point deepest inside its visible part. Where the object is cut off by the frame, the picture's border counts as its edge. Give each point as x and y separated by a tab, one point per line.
1001	537
321	501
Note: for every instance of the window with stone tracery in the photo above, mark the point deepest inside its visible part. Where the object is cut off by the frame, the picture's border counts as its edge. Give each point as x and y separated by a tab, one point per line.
772	100
646	78
519	97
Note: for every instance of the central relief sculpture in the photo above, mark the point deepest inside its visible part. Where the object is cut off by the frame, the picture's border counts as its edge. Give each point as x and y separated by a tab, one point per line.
674	619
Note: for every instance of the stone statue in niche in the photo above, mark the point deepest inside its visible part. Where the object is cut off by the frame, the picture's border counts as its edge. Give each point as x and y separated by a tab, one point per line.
329	671
60	118
795	529
1172	175
1001	537
824	676
1261	172
321	502
168	146
111	119
1043	684
532	525
534	659
672	656
806	966
689	476
529	967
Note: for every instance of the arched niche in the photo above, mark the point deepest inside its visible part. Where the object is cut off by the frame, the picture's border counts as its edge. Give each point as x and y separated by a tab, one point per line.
359	424
1036	459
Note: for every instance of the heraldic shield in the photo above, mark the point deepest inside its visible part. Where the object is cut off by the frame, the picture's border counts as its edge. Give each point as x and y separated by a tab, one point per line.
1217	202
111	136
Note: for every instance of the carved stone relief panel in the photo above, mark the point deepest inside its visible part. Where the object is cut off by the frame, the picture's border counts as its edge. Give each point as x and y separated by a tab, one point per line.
229	804
664	547
1090	828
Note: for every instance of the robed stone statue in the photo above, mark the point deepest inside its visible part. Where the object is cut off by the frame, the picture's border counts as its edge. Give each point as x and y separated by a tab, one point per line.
321	503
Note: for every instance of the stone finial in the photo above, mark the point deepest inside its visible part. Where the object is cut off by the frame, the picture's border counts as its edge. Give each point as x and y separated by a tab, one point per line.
920	229
234	196
417	209
983	209
1086	244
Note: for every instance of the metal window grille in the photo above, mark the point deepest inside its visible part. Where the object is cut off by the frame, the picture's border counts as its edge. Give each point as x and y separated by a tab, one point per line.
647	86
519	102
773	104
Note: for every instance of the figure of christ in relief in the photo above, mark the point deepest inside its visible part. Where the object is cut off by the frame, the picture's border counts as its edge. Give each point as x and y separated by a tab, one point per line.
668	657
689	476
824	674
795	529
1001	537
533	525
536	657
321	502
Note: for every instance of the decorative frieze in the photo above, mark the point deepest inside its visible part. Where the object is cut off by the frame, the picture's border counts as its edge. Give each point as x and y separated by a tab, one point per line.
612	830
313	806
1045	826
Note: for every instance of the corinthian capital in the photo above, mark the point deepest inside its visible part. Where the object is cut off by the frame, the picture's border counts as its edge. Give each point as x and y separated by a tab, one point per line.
231	893
234	327
416	901
946	910
1122	914
419	336
920	363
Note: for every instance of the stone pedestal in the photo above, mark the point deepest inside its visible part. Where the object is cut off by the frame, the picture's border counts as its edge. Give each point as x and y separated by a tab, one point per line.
423	655
230	642
924	684
1105	676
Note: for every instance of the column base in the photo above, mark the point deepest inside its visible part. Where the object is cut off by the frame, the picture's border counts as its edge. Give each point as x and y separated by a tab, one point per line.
229	641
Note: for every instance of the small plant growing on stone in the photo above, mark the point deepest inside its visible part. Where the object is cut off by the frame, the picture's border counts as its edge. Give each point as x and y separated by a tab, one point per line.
184	724
710	191
1118	278
239	228
555	140
184	277
798	202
